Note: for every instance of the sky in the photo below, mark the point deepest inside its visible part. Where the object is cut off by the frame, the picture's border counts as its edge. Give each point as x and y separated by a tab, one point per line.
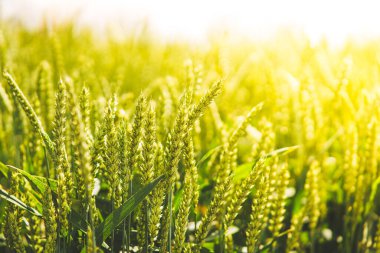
193	20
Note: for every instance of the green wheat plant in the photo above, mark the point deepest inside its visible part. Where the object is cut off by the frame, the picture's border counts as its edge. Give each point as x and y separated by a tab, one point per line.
138	145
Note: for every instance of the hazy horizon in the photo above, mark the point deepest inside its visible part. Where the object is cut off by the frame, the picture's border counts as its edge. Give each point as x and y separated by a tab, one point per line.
334	20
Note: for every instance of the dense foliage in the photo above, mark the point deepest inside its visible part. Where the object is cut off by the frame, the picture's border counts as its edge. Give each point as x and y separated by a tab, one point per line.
230	146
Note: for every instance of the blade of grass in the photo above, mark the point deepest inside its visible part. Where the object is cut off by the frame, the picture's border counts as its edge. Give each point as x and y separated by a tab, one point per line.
282	151
120	214
12	199
243	170
78	221
208	154
37	182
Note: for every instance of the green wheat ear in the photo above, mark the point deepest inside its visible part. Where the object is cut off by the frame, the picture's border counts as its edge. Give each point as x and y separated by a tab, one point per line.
190	194
50	215
30	113
12	224
278	199
62	167
197	110
312	193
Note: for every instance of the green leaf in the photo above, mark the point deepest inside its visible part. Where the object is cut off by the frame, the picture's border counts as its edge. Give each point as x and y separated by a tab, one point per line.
243	170
208	154
52	182
208	247
116	217
4	169
40	183
37	182
282	151
12	199
78	221
373	196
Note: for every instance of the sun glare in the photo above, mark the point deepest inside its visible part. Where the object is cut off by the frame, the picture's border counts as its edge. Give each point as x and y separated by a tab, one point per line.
334	20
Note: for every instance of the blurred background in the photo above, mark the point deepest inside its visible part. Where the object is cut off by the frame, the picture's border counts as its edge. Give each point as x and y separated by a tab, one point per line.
196	20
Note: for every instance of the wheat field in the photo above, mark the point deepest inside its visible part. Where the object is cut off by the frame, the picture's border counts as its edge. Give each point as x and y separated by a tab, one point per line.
137	145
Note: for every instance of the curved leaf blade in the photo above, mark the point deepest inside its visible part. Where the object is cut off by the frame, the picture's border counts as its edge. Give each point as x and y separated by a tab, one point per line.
39	183
78	221
120	214
208	155
243	170
12	199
